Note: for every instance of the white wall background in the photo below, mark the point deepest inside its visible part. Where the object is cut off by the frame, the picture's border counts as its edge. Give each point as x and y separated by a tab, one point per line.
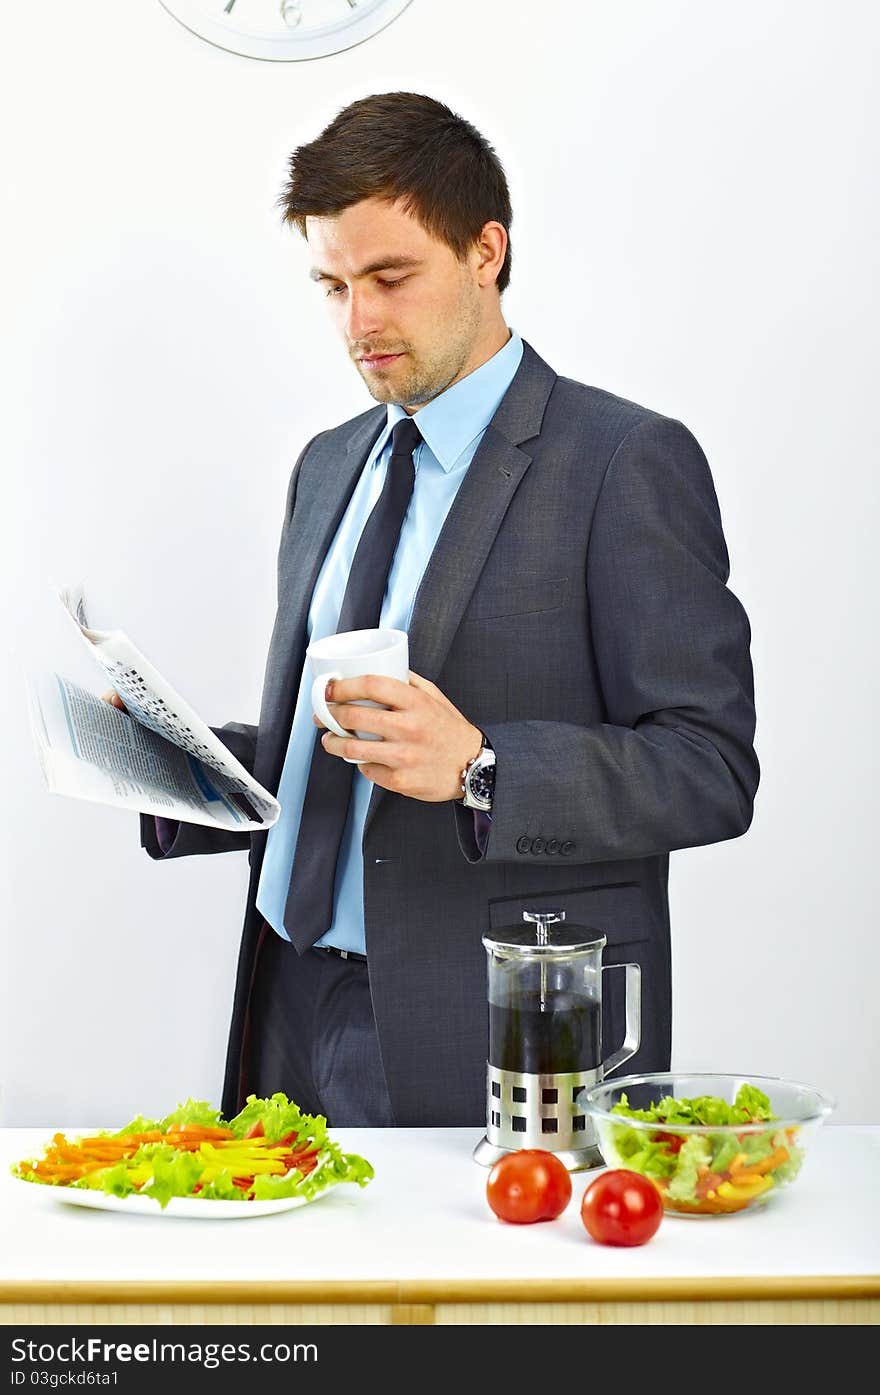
695	228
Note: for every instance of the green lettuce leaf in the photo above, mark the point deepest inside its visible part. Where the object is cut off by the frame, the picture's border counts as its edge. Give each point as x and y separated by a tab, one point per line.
269	1188
755	1145
724	1149
710	1110
753	1102
623	1107
279	1116
138	1125
117	1181
695	1153
787	1171
636	1150
222	1189
175	1173
192	1112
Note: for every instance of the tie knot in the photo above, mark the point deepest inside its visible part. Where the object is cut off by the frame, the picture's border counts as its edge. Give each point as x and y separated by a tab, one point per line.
405	436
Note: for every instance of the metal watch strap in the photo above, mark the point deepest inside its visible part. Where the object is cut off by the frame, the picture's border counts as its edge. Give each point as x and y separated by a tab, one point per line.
473	759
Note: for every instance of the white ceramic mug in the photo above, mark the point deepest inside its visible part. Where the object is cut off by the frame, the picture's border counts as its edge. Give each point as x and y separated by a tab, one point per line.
351	655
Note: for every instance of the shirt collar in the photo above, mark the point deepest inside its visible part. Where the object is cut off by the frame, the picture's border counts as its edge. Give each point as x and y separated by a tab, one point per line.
450	422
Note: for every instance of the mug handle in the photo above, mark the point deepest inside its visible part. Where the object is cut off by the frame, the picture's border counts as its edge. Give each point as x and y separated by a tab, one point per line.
319	704
633	1035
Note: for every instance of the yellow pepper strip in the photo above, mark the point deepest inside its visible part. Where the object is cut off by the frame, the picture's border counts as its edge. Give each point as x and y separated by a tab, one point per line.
243	1160
744	1188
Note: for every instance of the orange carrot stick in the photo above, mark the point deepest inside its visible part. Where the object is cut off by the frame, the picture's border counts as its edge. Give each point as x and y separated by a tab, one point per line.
774	1159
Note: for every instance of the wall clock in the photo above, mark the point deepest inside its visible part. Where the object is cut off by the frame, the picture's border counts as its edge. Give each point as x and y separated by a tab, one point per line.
285	30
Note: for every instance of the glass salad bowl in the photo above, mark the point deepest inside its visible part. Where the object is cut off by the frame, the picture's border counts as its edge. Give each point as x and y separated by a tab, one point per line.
715	1145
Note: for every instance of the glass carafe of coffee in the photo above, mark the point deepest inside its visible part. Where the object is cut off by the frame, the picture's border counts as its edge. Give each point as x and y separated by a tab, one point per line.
545	1036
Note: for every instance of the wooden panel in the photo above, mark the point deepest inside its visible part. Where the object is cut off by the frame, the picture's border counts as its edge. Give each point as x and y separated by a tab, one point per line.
202	1315
412	1315
780	1312
755	1313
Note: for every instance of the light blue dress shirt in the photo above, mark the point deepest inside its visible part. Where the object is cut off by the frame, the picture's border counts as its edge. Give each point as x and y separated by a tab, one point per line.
452	427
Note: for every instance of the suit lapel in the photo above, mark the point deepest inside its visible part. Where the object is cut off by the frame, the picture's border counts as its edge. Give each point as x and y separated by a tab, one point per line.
323	495
461	549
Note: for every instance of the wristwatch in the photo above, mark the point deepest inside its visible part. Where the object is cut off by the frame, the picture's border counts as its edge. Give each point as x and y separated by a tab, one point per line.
478	778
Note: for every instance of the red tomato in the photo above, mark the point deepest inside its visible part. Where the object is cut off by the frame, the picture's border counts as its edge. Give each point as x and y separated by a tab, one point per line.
622	1208
528	1185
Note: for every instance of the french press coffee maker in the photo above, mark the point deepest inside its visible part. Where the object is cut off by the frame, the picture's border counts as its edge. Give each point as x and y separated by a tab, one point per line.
545	1037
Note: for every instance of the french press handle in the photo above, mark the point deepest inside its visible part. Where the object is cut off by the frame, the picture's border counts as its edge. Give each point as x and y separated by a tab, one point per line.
633	1037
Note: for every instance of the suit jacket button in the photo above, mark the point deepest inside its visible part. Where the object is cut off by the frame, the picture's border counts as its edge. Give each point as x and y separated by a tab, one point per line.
553	845
538	845
524	844
567	848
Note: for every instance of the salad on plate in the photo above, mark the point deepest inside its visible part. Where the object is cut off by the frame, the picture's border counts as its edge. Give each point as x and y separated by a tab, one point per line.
269	1151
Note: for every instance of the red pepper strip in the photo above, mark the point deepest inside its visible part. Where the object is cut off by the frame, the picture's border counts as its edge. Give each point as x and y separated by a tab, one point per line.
673	1141
305	1166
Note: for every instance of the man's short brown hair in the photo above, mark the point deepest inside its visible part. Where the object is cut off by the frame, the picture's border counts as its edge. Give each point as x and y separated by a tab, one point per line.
403	145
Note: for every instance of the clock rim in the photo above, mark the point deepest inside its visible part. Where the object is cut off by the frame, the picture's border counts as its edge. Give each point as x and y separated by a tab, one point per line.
320	42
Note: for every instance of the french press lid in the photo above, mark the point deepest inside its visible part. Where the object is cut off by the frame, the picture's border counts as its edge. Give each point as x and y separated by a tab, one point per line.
543	933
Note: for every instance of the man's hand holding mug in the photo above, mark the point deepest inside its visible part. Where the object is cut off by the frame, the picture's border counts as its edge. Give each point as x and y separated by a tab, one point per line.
398	728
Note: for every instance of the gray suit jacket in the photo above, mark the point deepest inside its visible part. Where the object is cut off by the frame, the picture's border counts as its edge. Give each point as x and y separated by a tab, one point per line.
575	607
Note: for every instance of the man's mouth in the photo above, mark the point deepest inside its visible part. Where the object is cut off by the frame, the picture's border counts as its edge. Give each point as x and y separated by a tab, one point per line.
378	360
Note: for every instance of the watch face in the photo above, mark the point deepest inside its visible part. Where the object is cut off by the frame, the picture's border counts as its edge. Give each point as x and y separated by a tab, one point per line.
483	782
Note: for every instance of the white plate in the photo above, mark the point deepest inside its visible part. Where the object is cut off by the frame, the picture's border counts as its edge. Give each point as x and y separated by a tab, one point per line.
188	1207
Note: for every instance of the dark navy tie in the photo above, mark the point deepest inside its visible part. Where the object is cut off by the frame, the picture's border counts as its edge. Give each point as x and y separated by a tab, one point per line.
309	908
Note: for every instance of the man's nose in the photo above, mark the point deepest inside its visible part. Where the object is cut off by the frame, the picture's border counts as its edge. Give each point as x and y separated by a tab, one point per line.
364	319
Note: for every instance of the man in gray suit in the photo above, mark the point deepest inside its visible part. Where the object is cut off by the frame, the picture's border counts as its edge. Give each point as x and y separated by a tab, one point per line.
581	692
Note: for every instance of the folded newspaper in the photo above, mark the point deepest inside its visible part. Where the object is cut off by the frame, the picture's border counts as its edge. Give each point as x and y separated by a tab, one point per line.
159	757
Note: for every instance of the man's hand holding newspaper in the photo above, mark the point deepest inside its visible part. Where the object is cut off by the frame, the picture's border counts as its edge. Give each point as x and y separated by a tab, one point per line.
140	745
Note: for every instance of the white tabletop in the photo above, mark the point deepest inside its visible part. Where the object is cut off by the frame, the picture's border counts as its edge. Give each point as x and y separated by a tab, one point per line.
425	1217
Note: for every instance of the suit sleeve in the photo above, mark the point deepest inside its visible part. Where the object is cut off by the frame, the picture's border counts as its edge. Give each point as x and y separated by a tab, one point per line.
673	765
190	839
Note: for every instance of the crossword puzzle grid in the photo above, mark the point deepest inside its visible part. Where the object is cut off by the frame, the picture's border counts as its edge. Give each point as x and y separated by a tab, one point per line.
154	713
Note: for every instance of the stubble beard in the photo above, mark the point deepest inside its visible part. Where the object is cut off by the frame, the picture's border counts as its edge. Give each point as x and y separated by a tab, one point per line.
425	381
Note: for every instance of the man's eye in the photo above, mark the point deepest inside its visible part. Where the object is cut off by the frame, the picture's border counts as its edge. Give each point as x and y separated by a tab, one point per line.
335	290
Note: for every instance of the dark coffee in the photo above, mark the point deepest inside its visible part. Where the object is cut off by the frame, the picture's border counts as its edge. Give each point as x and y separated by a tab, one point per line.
566	1036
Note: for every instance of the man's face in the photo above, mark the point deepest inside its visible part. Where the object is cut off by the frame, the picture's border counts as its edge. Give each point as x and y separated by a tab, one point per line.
410	315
